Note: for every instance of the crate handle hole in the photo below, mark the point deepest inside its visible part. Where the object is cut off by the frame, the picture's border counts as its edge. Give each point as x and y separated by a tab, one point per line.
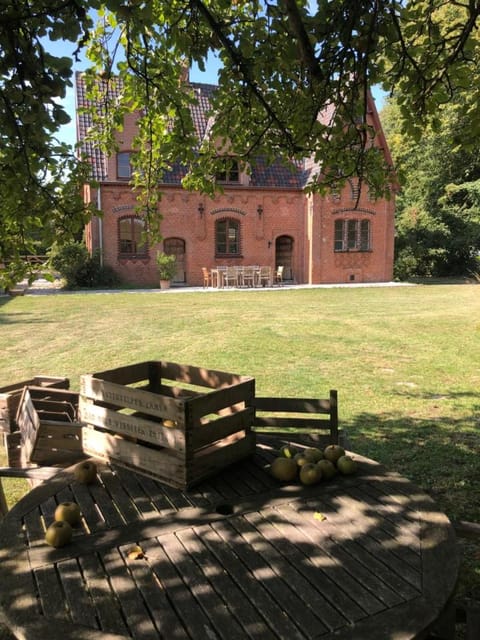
224	509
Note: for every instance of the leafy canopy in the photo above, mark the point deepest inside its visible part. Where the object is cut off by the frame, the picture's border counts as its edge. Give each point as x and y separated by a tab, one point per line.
293	82
438	209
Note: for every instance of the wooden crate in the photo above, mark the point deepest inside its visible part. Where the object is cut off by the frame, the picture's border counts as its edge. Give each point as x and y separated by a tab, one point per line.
13	449
11	394
50	430
176	423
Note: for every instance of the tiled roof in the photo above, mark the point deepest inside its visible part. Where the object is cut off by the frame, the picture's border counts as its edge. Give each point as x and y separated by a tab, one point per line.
84	122
276	175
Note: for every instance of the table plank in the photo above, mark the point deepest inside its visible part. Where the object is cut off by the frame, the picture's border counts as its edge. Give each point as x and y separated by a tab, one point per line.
107	607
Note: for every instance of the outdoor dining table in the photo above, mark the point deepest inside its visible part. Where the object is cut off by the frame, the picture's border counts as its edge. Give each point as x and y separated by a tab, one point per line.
361	557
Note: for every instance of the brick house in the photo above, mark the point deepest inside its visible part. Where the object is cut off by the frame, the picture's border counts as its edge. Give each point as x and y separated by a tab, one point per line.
264	218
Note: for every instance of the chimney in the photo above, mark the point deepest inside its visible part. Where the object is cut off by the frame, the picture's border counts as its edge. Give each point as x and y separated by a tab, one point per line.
184	72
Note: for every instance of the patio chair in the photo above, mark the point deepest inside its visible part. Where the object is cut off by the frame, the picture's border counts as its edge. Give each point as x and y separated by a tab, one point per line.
248	276
314	419
207	279
265	276
230	277
279	274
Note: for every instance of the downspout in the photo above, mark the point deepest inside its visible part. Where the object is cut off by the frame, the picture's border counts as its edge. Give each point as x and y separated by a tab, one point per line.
100	226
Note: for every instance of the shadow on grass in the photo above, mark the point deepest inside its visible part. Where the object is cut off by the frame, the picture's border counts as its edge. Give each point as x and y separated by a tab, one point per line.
440	454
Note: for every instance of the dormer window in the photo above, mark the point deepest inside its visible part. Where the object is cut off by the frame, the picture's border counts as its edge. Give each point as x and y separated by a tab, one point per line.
229	171
124	168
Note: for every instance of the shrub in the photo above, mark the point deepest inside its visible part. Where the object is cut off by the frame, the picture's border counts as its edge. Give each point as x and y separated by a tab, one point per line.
79	269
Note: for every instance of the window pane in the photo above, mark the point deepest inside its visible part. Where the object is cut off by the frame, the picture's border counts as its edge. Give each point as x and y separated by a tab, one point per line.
352	234
124	169
365	235
339	227
232	244
222	236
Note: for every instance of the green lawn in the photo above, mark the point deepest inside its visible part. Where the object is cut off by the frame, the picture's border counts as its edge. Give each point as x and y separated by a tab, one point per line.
405	361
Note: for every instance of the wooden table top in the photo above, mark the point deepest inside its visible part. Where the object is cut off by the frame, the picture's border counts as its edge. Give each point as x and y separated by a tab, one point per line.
360	557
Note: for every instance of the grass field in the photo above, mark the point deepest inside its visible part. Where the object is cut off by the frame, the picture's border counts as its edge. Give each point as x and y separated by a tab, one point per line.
405	362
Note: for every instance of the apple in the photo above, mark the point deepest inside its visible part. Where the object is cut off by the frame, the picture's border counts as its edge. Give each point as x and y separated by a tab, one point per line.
333	452
328	469
68	512
284	469
300	458
310	473
85	472
287	451
313	454
346	465
58	534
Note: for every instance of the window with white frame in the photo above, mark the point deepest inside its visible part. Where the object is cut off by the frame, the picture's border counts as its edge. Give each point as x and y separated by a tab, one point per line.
352	234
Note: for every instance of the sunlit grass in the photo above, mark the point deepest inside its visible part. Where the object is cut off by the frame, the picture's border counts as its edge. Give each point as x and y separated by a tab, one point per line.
405	360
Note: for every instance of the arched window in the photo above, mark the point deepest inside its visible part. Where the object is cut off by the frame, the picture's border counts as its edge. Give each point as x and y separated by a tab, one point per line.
227	237
131	240
352	234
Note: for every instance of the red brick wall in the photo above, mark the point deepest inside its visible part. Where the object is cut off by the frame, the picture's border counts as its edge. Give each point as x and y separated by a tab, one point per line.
283	213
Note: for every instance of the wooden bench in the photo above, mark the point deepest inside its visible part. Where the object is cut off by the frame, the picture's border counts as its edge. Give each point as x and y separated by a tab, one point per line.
312	419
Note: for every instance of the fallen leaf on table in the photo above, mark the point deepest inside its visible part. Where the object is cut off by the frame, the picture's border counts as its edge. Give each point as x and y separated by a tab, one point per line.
135	553
319	516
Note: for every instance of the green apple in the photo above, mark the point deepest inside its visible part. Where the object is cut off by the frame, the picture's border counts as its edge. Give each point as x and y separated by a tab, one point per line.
85	472
284	469
300	458
328	469
333	452
69	512
310	473
346	465
313	454
58	534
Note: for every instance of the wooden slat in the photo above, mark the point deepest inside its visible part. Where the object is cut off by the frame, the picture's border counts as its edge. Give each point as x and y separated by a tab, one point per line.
128	374
204	595
219	399
77	599
199	376
104	602
50	594
178	594
273	598
133	608
220	428
330	602
157	601
127	397
132	425
259	533
276	415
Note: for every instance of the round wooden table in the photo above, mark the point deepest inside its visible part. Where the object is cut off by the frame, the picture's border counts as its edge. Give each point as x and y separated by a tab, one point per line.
368	556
